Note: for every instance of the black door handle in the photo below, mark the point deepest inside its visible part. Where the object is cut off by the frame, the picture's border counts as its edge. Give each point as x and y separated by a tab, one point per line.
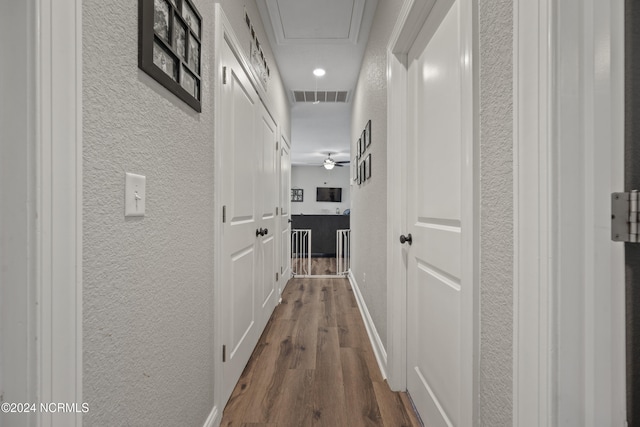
259	232
265	232
406	239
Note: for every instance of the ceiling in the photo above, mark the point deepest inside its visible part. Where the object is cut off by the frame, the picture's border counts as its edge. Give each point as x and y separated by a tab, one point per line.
310	34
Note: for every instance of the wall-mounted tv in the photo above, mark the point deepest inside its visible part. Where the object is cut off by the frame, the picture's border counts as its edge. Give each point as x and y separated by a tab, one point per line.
328	194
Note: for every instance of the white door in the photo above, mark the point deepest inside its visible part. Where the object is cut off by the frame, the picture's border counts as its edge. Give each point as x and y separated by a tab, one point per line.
240	295
267	196
285	211
434	159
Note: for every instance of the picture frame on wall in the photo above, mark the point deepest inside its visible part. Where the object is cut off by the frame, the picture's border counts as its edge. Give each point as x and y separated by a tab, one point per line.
367	167
363	176
297	195
355	168
170	47
363	146
367	134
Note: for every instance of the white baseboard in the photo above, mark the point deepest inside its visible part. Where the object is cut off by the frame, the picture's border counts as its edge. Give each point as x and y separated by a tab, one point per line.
376	342
212	419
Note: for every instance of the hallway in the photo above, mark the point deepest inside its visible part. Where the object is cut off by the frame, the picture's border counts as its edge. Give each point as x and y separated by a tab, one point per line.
314	365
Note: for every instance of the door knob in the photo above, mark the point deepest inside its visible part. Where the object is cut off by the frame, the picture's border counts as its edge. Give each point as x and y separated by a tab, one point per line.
259	232
406	239
265	232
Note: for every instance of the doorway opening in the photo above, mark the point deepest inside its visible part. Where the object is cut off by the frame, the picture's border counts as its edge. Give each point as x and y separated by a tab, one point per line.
321	234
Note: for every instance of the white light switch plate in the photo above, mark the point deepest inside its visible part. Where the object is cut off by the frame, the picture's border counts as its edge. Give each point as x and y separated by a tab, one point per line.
134	194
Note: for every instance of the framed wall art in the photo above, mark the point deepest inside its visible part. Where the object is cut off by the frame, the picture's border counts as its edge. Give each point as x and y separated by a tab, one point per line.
170	47
297	195
355	168
367	167
367	135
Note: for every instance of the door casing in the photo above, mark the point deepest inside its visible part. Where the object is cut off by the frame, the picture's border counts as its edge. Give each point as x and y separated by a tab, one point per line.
569	276
52	236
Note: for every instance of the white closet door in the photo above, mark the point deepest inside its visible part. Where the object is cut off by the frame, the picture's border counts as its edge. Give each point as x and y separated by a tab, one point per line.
434	219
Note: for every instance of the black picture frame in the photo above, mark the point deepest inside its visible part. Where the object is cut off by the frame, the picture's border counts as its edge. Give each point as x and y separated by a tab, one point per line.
170	47
363	146
367	134
297	195
363	176
367	167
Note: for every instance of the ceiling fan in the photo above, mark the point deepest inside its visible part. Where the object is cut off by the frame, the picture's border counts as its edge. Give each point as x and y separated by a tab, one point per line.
329	163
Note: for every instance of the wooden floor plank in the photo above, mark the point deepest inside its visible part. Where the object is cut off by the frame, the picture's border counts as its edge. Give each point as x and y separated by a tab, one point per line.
328	313
392	407
408	406
295	403
258	385
305	336
314	366
358	389
328	398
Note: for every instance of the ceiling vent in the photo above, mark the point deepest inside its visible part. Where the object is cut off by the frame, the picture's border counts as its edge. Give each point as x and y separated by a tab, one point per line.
320	96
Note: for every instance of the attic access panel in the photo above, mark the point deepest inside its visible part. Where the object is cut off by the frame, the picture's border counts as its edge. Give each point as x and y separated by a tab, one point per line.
312	21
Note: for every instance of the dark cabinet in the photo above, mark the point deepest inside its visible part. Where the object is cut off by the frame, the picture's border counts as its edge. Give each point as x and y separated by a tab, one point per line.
323	231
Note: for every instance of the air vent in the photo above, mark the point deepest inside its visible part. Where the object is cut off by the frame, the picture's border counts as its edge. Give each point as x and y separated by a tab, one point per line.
320	96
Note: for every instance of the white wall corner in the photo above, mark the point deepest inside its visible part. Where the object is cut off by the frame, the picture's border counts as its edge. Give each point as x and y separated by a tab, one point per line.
372	332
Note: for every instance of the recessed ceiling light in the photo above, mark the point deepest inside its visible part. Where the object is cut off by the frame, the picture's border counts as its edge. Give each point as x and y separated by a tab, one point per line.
319	72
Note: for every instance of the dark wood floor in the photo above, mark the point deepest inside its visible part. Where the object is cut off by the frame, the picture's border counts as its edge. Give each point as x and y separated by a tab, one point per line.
314	366
319	266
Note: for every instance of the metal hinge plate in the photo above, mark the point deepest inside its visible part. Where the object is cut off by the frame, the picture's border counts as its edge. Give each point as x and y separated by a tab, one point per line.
224	214
224	75
624	217
224	353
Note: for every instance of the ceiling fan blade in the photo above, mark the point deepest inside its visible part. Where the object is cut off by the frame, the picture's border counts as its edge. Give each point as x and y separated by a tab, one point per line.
344	162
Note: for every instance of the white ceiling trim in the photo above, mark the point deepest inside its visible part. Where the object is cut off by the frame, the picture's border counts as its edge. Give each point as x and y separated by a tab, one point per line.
273	8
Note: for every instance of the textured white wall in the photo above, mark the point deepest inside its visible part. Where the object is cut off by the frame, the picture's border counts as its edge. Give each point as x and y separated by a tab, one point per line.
496	212
148	282
310	177
369	200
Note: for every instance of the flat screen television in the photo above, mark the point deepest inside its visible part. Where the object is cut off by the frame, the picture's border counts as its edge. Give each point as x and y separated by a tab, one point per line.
328	194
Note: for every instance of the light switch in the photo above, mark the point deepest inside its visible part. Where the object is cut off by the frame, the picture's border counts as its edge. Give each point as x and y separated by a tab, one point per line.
134	193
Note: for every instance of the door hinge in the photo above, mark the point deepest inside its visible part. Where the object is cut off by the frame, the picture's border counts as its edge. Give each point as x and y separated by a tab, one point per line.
277	210
276	145
277	277
624	217
224	353
224	214
224	75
